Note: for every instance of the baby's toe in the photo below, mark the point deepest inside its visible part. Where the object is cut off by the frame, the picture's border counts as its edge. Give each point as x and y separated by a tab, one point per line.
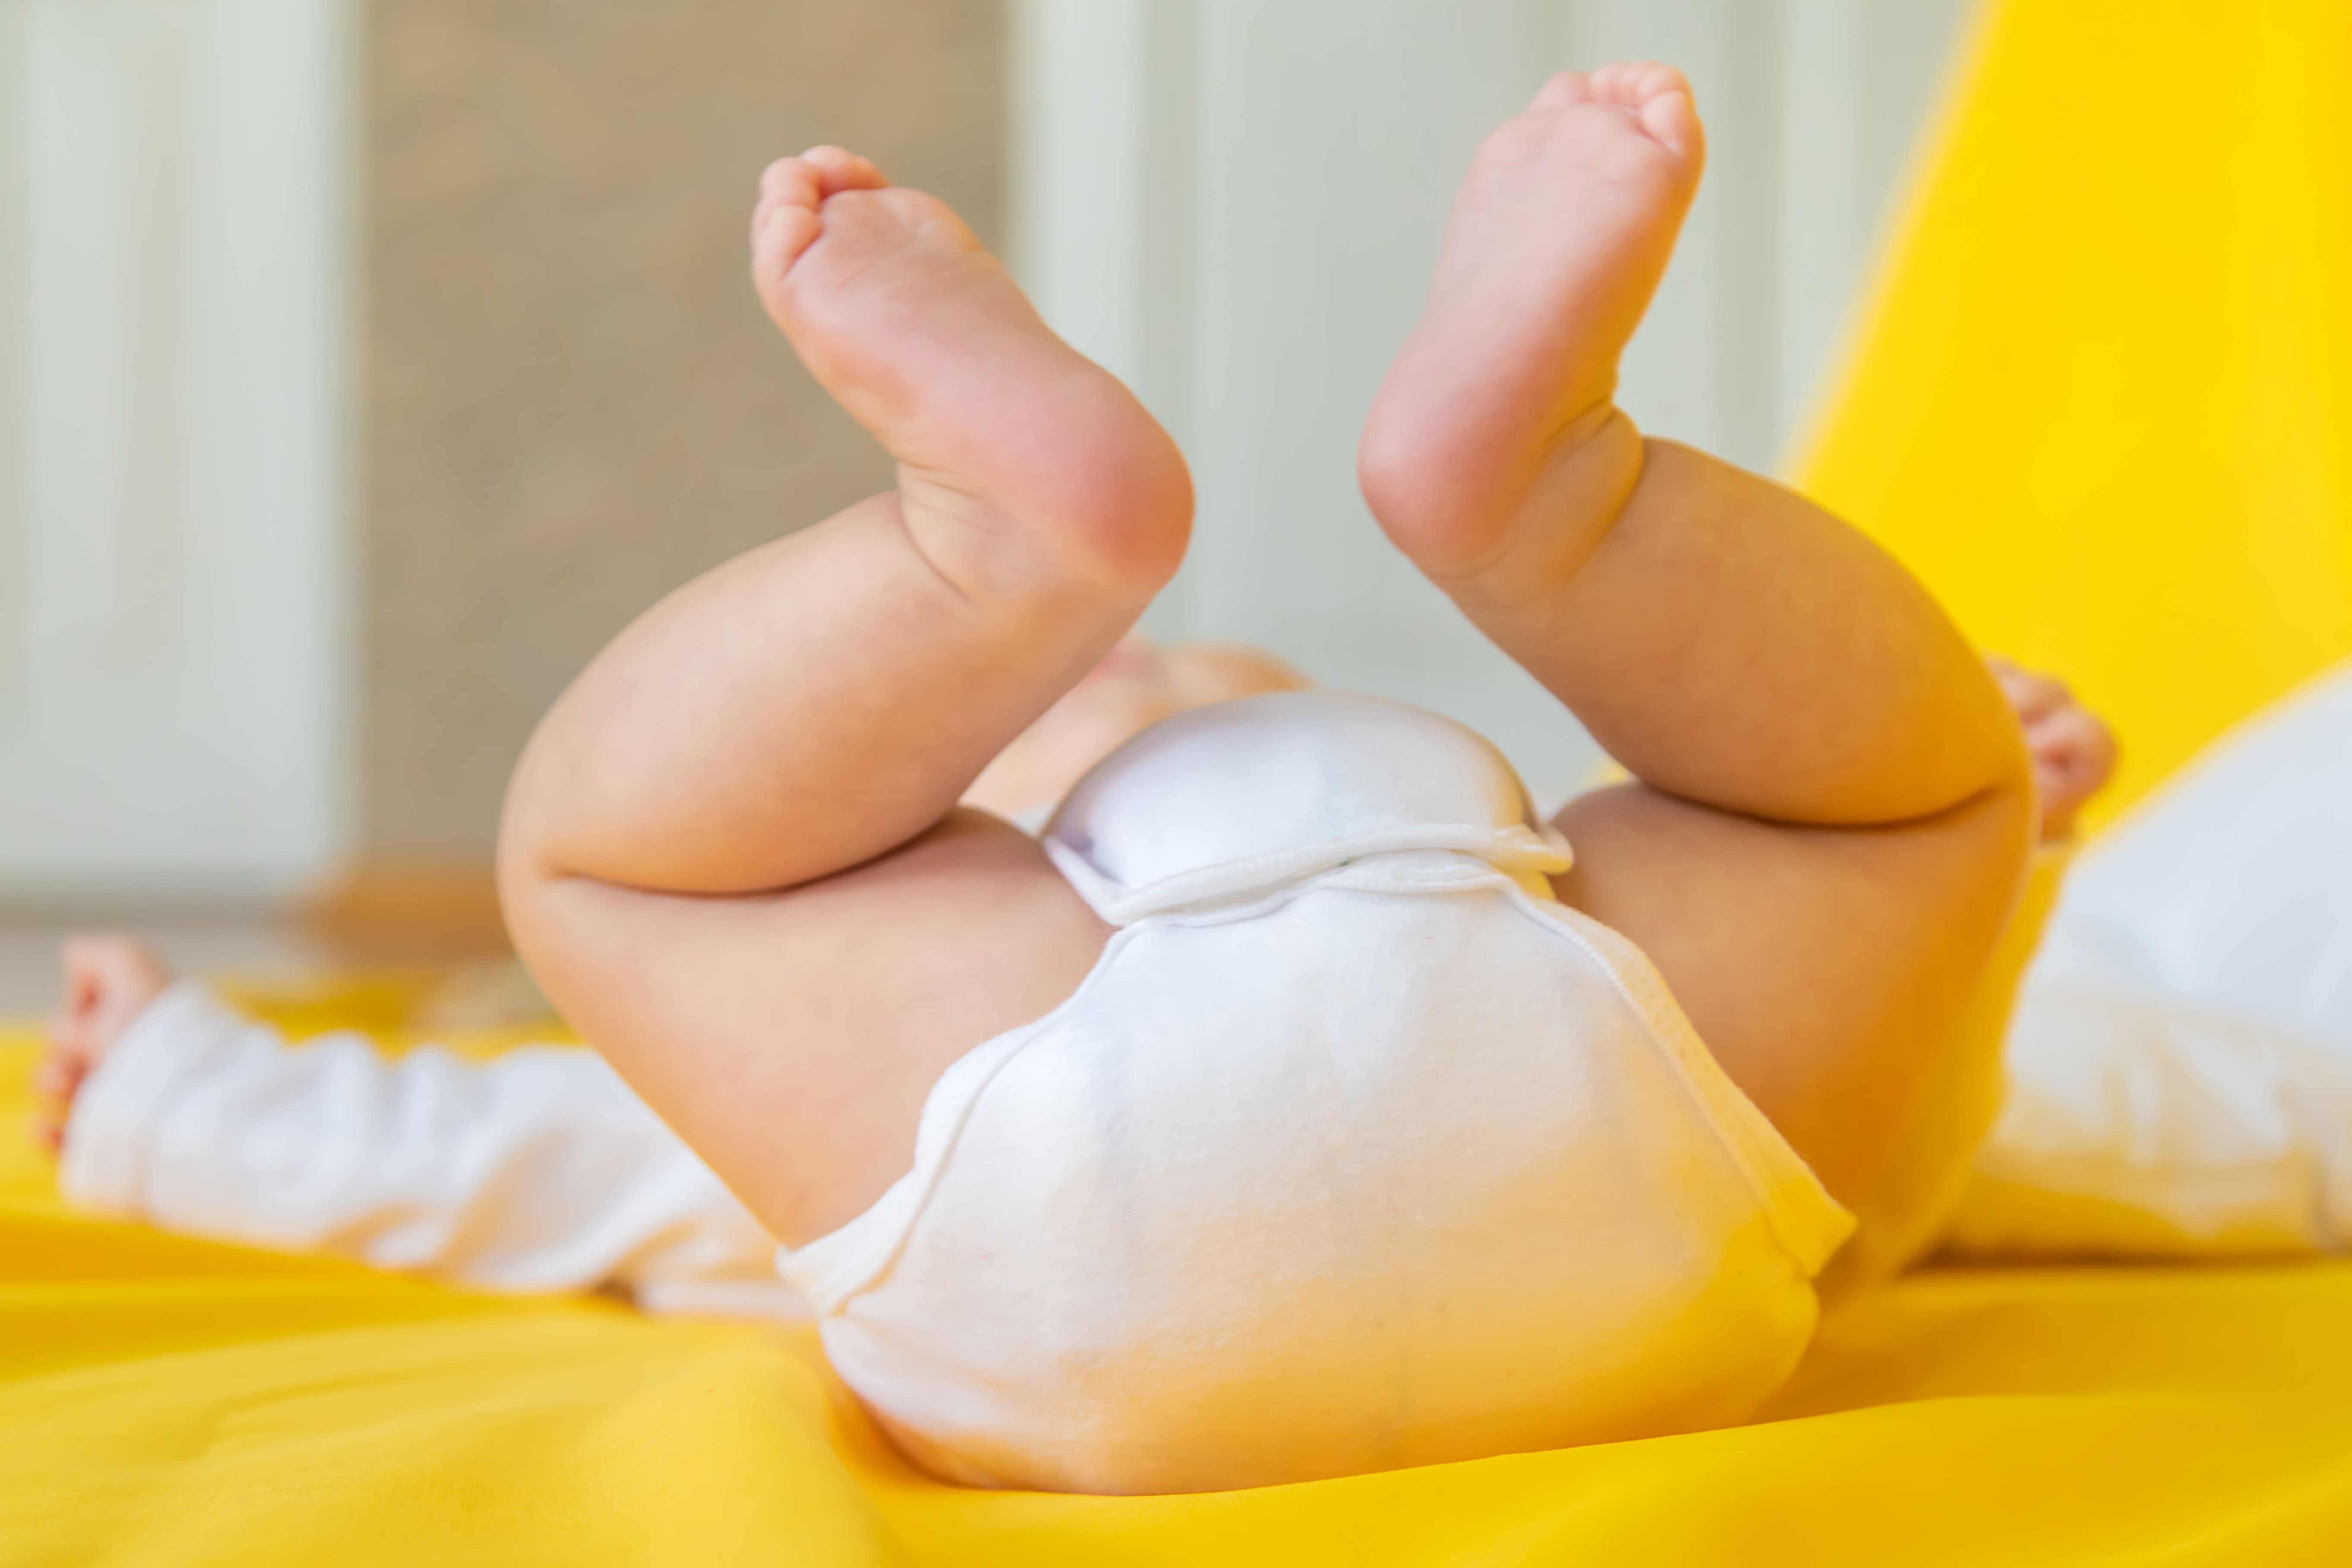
842	170
1564	90
790	181
1657	97
787	220
785	223
1630	84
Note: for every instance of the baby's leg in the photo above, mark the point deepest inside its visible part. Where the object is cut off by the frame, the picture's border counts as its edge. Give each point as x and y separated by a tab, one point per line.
732	854
1833	805
1723	637
824	698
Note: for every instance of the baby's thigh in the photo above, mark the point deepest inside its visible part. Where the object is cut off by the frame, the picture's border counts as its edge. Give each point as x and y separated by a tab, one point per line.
793	1038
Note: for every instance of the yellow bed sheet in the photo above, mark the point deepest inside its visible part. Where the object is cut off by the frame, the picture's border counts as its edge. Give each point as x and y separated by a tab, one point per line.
2102	407
170	1402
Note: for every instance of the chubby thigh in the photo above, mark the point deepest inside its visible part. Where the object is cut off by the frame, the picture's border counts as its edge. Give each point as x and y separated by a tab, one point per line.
791	1038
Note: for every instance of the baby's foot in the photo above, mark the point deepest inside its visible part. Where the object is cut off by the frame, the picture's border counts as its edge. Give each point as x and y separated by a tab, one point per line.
1556	241
2074	752
1015	451
109	981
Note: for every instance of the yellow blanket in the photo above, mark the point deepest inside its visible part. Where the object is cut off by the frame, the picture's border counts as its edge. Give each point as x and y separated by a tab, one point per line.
170	1402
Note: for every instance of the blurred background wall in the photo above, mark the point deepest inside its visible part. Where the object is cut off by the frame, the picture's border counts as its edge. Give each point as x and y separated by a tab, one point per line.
1237	206
573	400
177	267
365	363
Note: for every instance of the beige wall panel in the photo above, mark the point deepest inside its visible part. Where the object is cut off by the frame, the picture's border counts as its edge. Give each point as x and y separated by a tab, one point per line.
575	402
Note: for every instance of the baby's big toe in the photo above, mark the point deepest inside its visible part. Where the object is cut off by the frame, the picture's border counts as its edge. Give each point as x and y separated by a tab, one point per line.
838	170
1655	97
806	179
1631	83
788	219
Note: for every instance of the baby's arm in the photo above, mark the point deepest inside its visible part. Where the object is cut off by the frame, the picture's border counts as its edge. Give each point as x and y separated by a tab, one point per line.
535	1170
1833	805
732	854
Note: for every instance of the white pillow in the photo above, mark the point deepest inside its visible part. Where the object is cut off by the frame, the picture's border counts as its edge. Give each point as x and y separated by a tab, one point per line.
2231	890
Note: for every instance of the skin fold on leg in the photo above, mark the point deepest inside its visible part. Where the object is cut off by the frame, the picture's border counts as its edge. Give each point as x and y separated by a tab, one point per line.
1831	805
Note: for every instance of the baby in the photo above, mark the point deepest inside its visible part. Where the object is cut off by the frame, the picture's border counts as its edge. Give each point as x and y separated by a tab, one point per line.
1297	1104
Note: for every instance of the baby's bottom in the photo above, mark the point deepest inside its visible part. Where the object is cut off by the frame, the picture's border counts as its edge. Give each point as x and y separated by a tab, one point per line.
2180	1057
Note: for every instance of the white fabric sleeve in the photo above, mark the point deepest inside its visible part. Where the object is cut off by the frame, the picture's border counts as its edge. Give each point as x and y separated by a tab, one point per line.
2142	1127
2230	890
538	1170
2180	1059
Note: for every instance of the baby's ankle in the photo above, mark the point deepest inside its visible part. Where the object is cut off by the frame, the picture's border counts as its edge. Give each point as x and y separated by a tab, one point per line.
1495	542
1112	540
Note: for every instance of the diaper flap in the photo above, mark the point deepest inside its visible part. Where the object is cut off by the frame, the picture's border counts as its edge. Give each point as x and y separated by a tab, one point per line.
1512	850
1245	796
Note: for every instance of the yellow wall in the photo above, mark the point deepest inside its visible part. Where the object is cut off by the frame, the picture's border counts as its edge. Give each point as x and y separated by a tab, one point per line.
2103	402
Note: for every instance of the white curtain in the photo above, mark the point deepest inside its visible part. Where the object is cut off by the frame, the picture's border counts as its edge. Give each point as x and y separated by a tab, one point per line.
176	206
